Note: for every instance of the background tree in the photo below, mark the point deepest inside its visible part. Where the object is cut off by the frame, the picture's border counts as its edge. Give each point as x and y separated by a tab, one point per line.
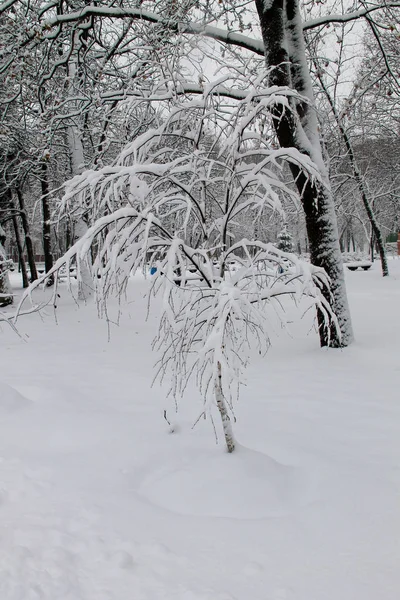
154	37
346	142
285	240
51	24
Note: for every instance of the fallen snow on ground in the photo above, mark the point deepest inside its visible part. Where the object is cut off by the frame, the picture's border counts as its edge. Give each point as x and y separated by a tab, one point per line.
100	501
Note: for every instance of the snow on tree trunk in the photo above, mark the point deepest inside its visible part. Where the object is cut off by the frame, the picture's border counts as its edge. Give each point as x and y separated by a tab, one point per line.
48	256
223	411
85	281
325	252
77	160
285	55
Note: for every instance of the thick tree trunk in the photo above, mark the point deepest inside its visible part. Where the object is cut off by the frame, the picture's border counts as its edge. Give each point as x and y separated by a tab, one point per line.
298	128
77	162
28	238
48	256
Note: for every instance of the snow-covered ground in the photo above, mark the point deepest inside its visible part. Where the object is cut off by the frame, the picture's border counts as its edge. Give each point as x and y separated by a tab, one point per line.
100	501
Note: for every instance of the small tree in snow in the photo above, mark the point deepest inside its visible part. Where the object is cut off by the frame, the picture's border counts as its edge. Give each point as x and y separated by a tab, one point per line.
175	195
285	240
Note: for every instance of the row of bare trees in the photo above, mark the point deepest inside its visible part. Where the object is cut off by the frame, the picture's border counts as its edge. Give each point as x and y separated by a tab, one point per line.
160	132
79	80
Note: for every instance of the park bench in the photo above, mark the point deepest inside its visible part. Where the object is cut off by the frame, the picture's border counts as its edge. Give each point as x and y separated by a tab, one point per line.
62	274
359	264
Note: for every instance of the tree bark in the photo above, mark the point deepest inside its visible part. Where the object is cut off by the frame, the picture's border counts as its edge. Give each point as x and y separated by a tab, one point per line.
28	238
6	296
223	411
25	280
48	256
298	128
77	161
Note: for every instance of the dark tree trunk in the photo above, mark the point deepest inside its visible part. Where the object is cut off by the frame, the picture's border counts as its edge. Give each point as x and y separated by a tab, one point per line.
372	246
25	280
6	296
68	235
22	263
341	243
28	239
48	256
298	128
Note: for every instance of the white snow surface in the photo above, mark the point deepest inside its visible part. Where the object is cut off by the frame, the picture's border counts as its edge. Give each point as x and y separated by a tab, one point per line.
100	500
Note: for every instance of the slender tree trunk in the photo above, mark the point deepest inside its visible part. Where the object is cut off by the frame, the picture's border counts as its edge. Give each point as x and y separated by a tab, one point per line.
298	128
28	238
48	256
25	280
6	296
68	235
223	411
372	246
341	244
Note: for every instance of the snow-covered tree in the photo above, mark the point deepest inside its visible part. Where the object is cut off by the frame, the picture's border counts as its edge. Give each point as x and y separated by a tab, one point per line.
178	203
156	37
285	240
155	51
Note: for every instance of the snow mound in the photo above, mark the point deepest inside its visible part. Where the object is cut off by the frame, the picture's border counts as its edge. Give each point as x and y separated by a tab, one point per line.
11	400
242	485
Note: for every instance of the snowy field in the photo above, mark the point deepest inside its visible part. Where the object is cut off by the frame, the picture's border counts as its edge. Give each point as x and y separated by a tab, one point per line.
100	501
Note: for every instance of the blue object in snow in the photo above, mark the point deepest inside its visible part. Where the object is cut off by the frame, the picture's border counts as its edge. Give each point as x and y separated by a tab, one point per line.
153	270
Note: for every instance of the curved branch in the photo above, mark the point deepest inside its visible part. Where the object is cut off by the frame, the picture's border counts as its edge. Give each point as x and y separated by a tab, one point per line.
347	17
209	31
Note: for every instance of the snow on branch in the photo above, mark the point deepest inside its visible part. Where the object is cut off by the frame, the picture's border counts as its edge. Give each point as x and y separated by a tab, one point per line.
180	88
349	16
209	31
216	33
